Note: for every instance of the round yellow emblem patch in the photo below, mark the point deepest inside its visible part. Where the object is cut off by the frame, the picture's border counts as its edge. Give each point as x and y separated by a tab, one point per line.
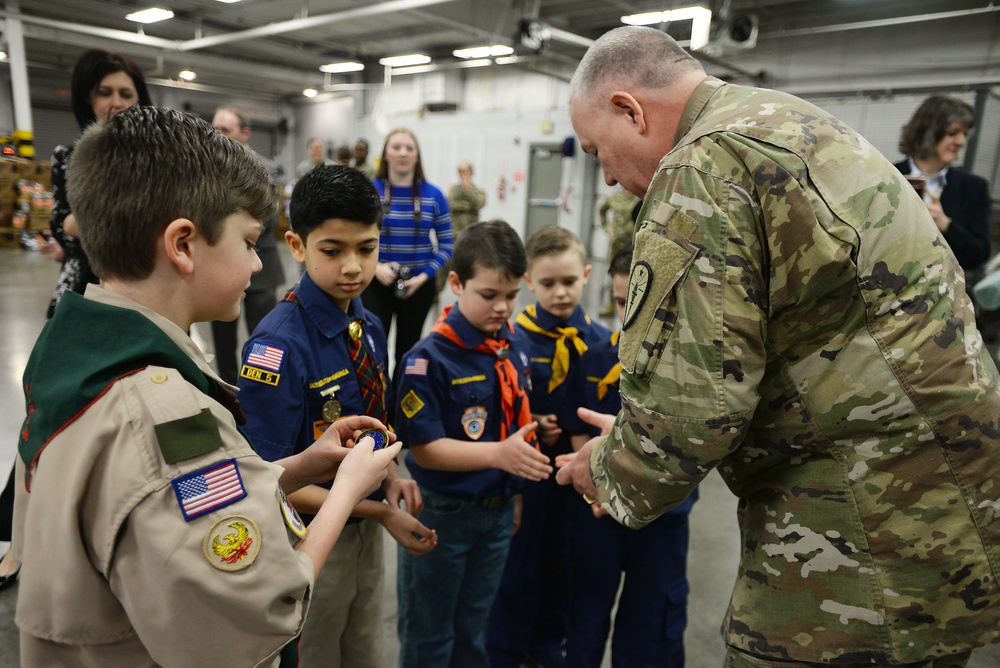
232	543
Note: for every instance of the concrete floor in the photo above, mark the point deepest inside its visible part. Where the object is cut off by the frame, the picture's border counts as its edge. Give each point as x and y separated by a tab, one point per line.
26	282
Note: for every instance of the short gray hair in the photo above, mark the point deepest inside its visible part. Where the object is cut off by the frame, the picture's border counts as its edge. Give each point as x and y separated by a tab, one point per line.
635	55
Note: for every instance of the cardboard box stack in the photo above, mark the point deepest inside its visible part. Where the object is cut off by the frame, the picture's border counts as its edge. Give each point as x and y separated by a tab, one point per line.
25	199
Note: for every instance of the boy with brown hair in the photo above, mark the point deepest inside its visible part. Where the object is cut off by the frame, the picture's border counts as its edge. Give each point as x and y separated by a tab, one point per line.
464	407
150	531
557	332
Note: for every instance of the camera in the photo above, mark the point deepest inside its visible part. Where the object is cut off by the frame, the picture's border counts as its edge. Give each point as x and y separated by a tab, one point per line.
403	274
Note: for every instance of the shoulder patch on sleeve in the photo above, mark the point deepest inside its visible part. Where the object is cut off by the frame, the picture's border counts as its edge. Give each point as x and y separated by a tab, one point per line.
411	404
211	488
188	437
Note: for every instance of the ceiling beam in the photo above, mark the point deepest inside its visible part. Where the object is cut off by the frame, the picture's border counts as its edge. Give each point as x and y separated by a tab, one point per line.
294	25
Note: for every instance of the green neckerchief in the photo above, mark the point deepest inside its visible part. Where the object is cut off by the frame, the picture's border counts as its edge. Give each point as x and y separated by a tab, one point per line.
81	352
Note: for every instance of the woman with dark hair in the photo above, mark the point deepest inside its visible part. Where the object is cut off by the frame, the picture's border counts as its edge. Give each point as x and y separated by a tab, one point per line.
104	83
415	244
958	202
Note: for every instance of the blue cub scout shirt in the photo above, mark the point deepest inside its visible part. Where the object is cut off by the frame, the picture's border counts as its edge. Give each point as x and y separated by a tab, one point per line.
541	349
296	361
446	391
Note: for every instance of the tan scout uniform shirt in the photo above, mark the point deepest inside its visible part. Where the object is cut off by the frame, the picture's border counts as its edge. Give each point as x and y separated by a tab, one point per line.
113	575
796	320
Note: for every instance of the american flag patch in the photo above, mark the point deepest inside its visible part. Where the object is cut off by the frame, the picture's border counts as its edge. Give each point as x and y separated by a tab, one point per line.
211	488
416	366
265	356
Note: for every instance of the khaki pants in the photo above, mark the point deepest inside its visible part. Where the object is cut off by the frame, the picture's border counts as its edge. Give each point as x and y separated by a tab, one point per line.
344	626
738	659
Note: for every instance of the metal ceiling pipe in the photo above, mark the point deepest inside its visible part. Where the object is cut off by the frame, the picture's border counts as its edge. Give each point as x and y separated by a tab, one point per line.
294	25
881	23
106	33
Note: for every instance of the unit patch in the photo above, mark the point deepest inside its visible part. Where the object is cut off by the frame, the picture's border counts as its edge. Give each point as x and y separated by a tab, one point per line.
638	290
232	543
411	404
291	515
209	489
259	375
474	422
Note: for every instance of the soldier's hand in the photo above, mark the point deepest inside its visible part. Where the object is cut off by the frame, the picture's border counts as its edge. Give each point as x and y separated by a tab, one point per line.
518	457
604	421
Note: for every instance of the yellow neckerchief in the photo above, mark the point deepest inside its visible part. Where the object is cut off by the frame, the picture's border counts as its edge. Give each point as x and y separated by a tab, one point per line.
613	376
560	358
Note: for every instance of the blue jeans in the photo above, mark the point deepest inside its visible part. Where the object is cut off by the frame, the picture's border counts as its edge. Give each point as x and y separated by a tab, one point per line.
445	596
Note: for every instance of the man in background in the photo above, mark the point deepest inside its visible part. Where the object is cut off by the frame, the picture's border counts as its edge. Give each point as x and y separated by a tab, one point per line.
235	124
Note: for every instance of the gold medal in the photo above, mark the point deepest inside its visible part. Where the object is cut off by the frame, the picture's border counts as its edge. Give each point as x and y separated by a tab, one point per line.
354	329
331	410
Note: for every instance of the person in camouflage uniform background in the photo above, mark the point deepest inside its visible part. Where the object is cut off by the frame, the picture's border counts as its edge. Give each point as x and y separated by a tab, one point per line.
465	199
795	320
619	226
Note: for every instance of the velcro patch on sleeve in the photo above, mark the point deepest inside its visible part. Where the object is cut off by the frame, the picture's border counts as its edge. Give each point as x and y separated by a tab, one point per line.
188	437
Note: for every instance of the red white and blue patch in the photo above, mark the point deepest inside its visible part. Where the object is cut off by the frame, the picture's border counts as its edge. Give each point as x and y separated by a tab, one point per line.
209	489
265	356
416	366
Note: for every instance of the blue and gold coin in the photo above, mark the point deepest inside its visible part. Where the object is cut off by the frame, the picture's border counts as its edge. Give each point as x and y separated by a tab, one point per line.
380	436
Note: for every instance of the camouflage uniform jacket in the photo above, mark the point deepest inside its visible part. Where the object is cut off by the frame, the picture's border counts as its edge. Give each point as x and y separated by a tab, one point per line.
465	203
796	320
621	227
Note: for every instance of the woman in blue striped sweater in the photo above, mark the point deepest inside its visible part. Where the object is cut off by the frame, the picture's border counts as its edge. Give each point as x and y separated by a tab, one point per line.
416	235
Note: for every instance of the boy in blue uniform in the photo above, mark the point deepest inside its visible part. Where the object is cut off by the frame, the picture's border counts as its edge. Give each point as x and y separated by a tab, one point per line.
652	610
530	614
464	411
319	355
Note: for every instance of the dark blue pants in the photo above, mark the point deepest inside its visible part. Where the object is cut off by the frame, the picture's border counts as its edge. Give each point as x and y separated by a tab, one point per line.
531	611
652	610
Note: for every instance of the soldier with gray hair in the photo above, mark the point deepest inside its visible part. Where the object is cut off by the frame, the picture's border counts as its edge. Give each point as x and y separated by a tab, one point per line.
796	321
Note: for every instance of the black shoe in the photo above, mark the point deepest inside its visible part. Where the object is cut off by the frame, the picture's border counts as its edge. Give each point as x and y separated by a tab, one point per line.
8	580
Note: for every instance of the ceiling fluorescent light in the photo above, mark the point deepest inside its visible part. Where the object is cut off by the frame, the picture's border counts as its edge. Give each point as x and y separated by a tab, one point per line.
700	17
187	75
477	62
506	60
483	51
309	92
229	2
340	68
405	61
416	69
151	15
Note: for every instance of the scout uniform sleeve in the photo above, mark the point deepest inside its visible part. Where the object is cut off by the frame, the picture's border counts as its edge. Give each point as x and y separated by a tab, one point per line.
692	345
418	415
272	395
203	565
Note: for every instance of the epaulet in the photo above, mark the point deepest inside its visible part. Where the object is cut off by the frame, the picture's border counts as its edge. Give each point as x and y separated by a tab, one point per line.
184	428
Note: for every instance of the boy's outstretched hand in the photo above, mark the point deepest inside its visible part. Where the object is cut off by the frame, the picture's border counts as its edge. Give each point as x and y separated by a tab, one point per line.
520	458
